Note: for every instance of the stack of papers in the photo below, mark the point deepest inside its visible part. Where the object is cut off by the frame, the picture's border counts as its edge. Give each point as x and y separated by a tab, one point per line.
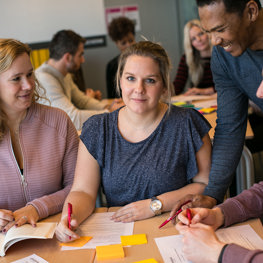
106	236
103	231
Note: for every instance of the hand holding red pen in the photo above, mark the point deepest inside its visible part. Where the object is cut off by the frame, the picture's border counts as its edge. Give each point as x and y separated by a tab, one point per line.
173	216
67	225
200	244
212	217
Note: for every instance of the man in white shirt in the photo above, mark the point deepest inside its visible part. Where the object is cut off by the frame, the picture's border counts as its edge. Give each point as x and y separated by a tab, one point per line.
66	56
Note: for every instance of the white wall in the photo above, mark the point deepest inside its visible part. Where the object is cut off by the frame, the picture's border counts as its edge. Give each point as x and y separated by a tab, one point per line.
33	21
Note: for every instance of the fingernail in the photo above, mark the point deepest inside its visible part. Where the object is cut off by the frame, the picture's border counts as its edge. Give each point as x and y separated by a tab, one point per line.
69	237
34	225
16	225
4	230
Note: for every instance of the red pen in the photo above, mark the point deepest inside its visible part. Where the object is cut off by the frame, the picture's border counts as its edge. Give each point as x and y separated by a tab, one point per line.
172	217
189	215
69	214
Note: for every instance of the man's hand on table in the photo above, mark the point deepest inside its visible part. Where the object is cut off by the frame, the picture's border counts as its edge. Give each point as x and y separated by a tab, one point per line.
195	201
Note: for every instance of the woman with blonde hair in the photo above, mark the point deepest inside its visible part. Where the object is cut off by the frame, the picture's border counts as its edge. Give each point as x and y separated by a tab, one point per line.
147	154
195	63
38	144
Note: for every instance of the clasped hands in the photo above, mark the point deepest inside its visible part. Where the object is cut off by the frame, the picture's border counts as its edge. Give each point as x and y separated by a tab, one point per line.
200	243
27	214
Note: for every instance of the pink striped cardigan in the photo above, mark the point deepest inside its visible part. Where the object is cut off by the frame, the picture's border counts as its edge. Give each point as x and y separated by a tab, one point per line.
49	144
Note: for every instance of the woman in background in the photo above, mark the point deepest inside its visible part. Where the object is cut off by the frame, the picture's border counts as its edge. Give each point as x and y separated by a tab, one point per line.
122	32
195	63
38	144
146	154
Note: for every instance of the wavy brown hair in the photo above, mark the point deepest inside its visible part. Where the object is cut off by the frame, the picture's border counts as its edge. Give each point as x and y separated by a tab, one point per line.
10	49
120	27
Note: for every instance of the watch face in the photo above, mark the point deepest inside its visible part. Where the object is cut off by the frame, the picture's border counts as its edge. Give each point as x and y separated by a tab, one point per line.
156	205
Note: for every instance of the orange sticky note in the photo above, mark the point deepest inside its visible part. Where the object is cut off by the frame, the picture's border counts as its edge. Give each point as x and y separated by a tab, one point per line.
134	240
109	252
78	242
150	260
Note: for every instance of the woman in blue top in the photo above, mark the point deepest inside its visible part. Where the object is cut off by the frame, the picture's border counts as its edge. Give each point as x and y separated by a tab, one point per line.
146	155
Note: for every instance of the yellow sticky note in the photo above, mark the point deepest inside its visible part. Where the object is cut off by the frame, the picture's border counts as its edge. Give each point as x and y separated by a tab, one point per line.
109	252
179	103
134	240
150	260
77	243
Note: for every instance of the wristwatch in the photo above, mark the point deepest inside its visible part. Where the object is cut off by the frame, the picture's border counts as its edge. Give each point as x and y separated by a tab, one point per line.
156	205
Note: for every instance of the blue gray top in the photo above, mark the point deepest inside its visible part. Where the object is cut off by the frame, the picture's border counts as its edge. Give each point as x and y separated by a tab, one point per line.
236	80
163	162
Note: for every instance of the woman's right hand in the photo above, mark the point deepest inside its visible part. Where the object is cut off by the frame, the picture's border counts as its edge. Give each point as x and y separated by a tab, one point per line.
63	233
6	217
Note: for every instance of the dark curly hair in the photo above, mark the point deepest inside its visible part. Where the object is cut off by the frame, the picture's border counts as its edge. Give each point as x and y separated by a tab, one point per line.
121	27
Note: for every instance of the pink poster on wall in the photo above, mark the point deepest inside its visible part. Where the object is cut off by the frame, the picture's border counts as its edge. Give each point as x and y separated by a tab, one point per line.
132	12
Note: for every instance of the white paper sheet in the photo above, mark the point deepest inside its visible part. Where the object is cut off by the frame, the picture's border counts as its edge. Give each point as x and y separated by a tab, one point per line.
244	236
103	231
31	259
170	247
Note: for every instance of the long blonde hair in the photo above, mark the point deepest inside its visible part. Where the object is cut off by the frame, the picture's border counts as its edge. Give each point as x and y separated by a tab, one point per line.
193	57
10	49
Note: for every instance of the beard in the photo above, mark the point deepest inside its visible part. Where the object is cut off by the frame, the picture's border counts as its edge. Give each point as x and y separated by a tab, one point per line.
72	67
